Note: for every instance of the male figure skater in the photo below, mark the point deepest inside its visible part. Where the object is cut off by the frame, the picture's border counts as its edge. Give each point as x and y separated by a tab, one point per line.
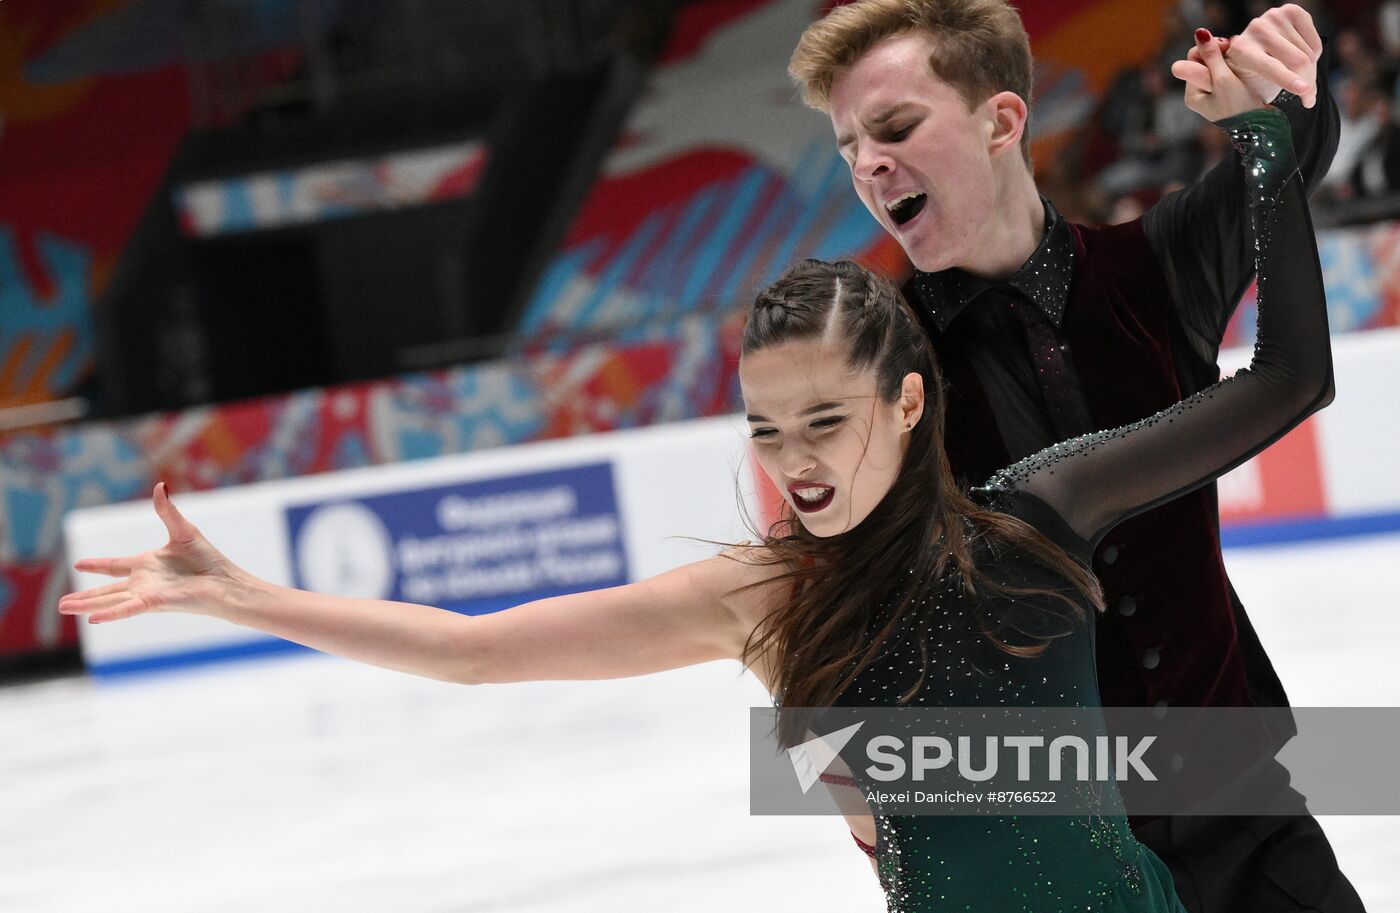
1046	330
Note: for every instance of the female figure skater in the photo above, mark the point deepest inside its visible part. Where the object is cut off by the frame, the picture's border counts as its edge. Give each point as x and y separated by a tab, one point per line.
883	583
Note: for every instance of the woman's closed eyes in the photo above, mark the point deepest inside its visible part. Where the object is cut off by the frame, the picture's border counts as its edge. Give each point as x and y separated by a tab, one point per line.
820	424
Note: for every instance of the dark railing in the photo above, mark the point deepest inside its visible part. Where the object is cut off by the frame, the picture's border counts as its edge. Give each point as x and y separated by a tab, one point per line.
316	55
1364	211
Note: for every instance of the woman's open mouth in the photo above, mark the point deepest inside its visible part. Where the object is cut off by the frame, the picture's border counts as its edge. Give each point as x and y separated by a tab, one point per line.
812	498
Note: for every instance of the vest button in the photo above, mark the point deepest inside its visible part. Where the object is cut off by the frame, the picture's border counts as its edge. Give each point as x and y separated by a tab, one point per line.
1151	658
1110	554
1159	710
1127	606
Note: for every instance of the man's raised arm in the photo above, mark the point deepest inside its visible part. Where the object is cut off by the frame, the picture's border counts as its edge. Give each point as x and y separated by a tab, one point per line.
1201	234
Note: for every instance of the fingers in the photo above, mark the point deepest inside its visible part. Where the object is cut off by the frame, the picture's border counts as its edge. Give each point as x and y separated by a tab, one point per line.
180	529
1194	74
109	567
1212	56
103	590
86	605
1302	22
1303	64
1289	47
107	607
132	606
1274	70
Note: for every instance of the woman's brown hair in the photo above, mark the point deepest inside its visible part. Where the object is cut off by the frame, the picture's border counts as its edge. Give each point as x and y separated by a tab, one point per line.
924	527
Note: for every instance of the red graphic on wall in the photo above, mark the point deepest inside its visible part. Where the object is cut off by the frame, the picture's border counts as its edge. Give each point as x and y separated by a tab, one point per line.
1283	481
770	500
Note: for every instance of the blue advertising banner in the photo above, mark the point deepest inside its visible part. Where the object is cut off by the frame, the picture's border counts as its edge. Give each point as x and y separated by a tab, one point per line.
473	547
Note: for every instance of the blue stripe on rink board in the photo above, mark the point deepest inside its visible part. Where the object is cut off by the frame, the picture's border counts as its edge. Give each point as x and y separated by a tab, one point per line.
161	662
1308	529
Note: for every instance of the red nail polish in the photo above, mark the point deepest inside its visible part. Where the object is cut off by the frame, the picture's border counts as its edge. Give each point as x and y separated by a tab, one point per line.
1202	36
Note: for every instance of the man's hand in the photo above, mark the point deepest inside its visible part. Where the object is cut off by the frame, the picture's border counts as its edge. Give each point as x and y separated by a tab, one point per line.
1278	50
1213	90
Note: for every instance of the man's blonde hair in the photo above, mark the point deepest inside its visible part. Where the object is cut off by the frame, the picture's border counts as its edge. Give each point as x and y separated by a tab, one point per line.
980	47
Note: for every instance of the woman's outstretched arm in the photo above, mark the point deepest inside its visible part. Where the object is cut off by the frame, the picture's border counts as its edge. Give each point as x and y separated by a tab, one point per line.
1098	480
679	618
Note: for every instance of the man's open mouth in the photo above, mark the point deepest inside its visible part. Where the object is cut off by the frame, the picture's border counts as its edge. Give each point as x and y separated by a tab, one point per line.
906	207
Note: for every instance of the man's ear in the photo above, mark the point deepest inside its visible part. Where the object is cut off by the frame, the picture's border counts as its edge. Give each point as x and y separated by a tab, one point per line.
1008	113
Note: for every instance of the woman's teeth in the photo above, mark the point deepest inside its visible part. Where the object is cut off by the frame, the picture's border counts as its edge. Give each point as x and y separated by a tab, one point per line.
811	500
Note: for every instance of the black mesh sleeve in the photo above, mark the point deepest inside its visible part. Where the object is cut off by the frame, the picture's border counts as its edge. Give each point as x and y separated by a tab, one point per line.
1096	481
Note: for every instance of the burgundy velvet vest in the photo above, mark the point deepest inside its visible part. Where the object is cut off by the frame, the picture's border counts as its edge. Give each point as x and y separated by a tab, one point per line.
1173	632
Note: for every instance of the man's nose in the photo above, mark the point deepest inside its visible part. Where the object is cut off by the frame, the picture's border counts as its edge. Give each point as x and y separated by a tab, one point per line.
871	162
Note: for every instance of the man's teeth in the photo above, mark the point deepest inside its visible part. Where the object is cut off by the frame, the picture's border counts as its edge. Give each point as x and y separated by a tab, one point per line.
812	494
895	203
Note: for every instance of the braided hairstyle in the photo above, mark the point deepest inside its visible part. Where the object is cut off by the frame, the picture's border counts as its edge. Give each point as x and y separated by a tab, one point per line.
925	526
817	299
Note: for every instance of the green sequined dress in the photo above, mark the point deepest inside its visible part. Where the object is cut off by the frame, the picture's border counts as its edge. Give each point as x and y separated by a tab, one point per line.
1075	492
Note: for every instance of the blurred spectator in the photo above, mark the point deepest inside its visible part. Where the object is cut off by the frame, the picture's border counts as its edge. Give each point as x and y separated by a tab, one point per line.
1352	60
1156	134
1359	104
1322	19
1142	142
1215	15
1125	209
1388	34
1368	153
1179	23
1388	30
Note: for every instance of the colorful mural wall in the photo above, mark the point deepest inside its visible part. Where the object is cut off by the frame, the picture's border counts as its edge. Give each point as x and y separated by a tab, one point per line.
722	178
92	107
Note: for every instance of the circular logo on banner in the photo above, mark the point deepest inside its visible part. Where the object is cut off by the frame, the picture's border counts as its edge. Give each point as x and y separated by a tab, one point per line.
344	550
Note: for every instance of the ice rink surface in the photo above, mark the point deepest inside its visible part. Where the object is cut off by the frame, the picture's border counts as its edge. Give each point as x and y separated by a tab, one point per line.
307	783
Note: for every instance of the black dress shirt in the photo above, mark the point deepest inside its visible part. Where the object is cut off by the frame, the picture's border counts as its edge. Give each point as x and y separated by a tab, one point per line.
975	314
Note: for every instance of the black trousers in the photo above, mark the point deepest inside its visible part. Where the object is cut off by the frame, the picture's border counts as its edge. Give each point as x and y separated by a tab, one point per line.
1263	864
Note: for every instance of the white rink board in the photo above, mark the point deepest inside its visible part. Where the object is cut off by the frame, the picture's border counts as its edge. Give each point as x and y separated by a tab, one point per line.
1359	433
671	481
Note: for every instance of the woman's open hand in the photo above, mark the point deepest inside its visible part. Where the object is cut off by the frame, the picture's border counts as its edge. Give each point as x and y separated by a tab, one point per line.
187	574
